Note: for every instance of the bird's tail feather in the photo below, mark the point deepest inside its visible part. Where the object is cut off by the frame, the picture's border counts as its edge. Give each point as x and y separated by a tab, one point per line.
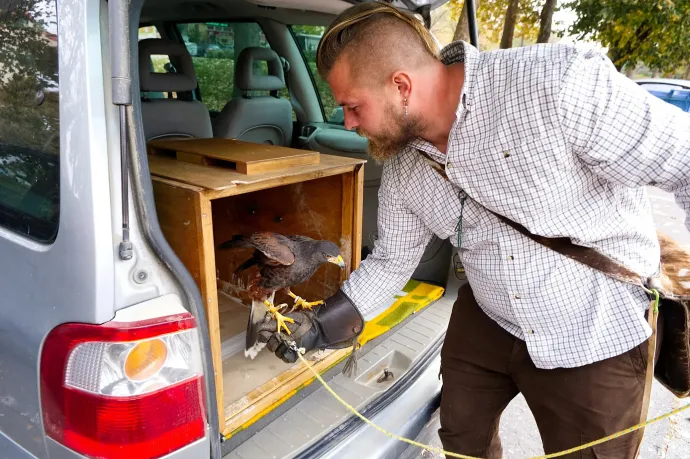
237	241
246	265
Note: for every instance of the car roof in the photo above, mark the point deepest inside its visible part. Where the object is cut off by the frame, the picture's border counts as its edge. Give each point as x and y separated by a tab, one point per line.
304	12
685	84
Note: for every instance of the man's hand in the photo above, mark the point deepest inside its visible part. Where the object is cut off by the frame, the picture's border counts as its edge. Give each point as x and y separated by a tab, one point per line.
334	324
303	322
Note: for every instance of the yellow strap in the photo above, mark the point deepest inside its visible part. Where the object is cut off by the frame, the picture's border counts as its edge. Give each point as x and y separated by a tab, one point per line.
442	452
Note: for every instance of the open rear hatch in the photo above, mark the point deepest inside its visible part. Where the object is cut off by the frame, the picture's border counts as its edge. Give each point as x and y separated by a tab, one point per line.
209	190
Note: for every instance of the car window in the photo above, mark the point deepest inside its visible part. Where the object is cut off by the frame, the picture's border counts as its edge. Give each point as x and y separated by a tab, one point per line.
29	119
214	47
148	32
308	38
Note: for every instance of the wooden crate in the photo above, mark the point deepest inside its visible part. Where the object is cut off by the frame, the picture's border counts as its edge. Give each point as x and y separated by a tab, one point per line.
201	204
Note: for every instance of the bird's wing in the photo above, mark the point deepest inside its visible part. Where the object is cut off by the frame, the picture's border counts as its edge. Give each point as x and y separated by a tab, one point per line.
274	247
298	238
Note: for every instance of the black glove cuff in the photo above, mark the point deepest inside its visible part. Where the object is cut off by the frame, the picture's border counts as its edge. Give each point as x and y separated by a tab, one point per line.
336	323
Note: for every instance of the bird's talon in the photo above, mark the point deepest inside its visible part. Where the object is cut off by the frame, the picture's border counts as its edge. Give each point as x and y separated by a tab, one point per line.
280	319
309	305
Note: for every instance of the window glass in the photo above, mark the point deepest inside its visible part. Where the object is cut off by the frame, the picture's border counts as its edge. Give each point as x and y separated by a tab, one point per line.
214	47
308	38
148	32
29	118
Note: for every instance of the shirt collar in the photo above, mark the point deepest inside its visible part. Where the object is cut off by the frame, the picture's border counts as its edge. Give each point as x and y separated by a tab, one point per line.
460	51
457	51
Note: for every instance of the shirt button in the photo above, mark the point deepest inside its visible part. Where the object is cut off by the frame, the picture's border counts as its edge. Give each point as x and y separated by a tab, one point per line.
511	258
449	166
506	153
530	332
516	296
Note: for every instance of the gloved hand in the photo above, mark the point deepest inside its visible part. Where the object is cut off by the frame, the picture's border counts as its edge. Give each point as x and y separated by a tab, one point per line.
332	325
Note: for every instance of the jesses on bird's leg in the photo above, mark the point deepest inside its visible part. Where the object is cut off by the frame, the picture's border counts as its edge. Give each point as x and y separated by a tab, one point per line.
299	301
280	319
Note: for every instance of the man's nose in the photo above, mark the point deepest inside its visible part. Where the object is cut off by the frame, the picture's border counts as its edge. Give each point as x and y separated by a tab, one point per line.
350	121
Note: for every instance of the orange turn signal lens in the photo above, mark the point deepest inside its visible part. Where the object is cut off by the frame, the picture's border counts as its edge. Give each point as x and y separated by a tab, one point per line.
145	359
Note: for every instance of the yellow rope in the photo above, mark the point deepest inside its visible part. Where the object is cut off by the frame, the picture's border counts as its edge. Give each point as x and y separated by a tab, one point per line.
450	454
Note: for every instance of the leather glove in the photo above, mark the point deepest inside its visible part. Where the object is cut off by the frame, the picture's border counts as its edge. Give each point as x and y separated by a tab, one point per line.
332	325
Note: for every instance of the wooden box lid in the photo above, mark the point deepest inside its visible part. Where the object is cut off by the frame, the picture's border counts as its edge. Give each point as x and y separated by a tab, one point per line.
243	157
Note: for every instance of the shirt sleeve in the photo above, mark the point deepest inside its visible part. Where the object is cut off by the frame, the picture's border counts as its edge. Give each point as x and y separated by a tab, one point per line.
402	239
622	132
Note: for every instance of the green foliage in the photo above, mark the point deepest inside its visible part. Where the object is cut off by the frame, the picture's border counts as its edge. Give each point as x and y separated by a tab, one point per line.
216	81
327	98
491	17
309	30
28	78
653	32
221	54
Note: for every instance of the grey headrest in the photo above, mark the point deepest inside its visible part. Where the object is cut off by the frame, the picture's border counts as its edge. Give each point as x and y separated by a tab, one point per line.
246	80
183	80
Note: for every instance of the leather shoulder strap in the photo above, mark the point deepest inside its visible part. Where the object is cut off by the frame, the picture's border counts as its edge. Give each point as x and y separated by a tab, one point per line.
563	245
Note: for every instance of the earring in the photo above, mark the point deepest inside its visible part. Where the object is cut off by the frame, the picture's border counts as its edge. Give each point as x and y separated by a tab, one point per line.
405	105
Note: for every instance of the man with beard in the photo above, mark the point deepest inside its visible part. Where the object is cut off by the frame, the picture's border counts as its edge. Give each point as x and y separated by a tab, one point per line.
550	137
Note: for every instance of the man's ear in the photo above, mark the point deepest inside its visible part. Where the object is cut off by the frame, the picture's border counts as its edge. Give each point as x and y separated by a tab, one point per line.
403	84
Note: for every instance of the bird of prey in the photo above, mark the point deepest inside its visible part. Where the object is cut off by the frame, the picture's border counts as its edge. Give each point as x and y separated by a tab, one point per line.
283	261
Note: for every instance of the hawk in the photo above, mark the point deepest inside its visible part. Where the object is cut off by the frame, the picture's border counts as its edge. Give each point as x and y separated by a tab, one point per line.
283	261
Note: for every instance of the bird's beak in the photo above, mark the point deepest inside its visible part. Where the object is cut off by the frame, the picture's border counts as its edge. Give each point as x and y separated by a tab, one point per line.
337	261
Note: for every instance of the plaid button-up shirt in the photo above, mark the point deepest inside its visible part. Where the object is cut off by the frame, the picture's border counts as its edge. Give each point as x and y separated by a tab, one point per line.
557	140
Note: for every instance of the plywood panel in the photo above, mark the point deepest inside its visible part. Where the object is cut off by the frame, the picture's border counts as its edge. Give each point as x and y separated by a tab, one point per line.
244	157
177	216
312	209
225	182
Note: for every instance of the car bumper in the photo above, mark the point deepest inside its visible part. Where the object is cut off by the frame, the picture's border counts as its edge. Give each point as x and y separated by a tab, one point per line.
406	415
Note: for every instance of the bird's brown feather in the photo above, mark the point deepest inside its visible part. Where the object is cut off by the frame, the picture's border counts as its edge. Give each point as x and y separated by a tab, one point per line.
276	250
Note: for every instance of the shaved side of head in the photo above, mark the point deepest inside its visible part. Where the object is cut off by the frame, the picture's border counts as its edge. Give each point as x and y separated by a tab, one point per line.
376	39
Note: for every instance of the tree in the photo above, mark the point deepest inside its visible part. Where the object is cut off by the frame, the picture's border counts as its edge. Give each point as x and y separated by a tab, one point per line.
545	20
509	25
653	32
462	30
491	17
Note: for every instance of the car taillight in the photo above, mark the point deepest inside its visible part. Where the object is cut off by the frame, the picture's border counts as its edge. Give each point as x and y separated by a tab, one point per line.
124	390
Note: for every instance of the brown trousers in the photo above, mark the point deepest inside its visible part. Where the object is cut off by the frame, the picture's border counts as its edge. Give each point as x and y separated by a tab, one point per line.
484	368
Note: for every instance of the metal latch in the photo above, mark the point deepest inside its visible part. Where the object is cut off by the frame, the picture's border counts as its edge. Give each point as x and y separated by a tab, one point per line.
386	376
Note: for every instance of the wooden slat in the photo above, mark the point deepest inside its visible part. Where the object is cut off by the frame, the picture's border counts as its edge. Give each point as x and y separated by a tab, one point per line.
245	157
357	221
347	204
225	182
209	293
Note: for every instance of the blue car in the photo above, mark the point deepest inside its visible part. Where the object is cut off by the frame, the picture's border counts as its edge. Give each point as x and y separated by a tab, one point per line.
675	92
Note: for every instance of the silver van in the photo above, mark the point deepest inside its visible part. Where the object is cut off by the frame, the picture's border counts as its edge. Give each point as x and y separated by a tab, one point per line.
115	342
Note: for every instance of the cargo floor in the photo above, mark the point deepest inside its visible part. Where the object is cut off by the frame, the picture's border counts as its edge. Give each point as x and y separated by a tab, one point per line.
253	385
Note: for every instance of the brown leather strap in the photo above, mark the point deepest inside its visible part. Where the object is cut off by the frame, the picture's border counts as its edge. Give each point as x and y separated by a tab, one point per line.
563	245
652	318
